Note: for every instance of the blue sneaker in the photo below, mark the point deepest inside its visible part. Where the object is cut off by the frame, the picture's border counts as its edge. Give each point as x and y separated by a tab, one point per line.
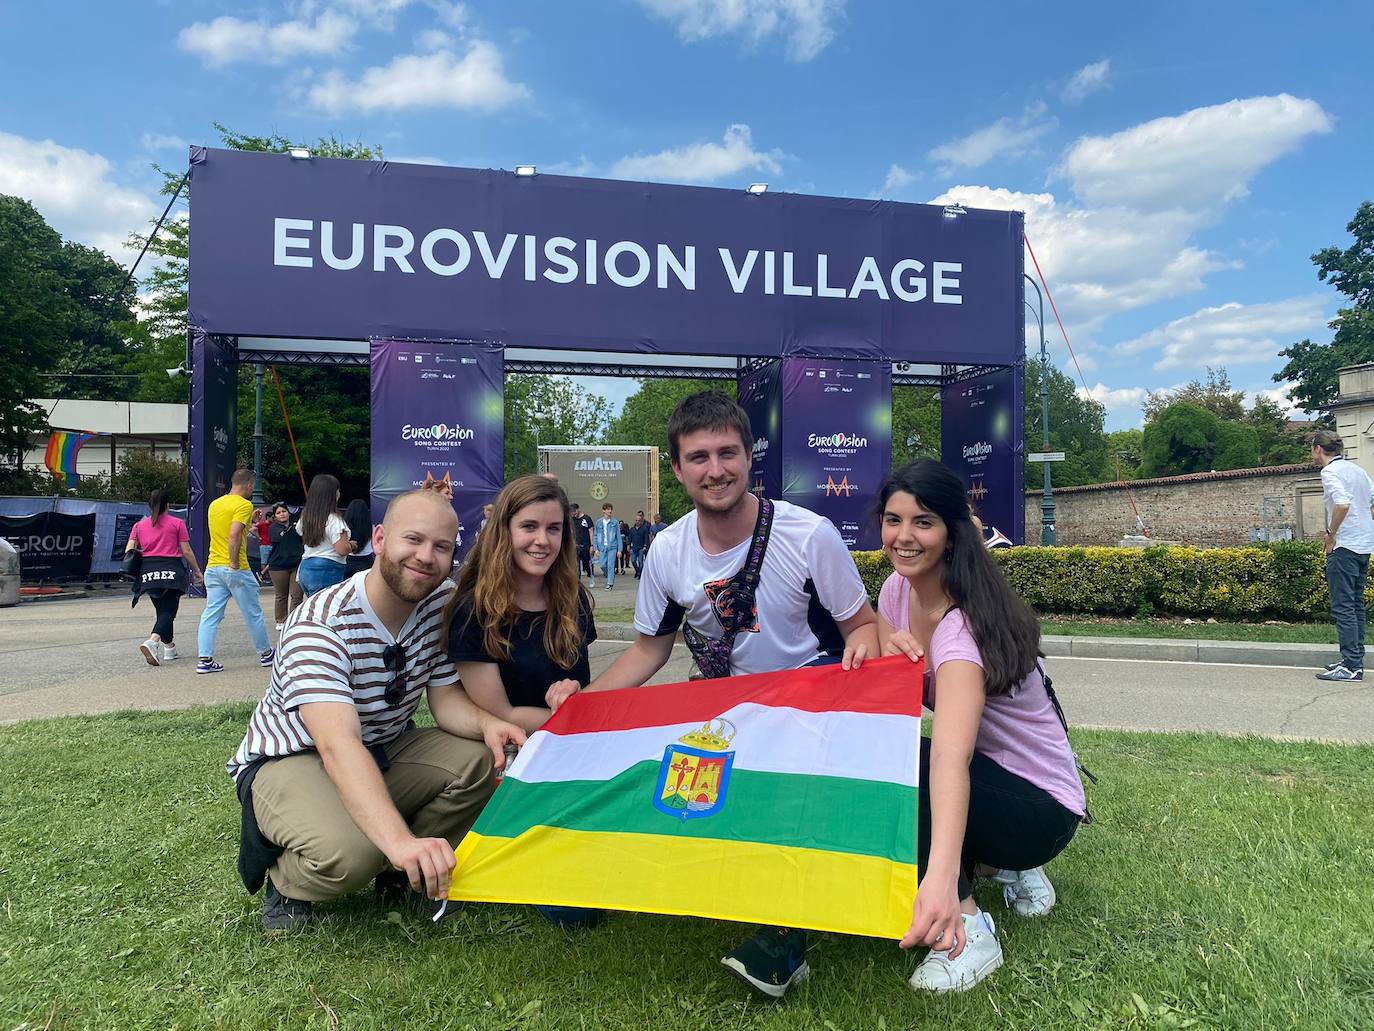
208	666
571	918
771	962
265	659
1341	673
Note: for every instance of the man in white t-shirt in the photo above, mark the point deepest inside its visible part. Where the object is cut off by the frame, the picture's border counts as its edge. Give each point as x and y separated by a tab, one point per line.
810	602
1349	539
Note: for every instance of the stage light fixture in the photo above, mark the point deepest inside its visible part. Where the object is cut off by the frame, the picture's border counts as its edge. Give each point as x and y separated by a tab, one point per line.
178	372
524	171
754	189
951	210
300	153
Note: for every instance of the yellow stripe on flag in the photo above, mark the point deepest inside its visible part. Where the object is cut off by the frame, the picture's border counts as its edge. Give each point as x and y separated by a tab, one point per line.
749	882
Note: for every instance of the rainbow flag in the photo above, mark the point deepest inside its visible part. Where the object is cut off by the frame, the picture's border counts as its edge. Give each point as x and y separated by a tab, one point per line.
782	798
60	457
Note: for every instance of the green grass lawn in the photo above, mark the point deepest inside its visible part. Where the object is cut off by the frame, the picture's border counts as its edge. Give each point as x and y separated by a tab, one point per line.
1225	885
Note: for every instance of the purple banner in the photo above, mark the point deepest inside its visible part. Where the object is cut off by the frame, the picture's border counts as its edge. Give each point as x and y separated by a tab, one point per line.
438	412
329	248
837	441
981	440
760	395
213	432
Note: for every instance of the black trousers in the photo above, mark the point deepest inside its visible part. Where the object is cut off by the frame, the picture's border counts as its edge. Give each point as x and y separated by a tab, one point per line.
165	604
584	560
1012	824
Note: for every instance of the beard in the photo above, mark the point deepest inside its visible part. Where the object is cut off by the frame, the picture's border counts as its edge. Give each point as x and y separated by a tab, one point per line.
394	576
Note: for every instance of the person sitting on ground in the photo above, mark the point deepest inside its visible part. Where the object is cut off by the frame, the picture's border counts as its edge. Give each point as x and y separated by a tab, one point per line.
998	780
325	534
520	621
166	548
338	785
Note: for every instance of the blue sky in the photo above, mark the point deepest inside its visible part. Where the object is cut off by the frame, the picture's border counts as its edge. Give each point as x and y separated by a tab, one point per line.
1178	163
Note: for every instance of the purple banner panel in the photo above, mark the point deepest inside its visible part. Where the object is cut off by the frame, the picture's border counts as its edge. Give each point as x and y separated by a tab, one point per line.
438	411
213	432
981	440
330	248
837	441
760	395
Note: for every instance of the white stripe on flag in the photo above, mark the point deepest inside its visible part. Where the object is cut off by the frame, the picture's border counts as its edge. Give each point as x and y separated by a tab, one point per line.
769	739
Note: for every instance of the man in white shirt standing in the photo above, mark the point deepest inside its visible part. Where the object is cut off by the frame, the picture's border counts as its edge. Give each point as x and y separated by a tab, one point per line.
809	606
1348	496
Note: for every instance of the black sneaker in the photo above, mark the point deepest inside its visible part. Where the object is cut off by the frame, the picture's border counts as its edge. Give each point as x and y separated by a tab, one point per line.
281	914
393	888
771	962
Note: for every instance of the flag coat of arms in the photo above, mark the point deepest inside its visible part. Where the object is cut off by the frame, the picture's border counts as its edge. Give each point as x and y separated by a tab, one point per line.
781	798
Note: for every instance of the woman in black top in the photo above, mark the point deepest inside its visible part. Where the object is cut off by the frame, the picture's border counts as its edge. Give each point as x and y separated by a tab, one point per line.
287	547
358	516
520	620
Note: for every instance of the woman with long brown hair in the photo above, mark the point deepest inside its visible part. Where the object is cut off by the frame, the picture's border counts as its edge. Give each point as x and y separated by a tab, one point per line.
520	620
325	535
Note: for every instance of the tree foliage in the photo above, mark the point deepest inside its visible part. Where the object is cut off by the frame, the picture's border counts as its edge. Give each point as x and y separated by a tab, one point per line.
62	310
643	421
1076	428
1124	450
1184	438
1216	395
549	410
1313	367
915	423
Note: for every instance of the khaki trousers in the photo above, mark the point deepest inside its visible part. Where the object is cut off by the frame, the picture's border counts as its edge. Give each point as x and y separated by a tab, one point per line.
286	591
439	784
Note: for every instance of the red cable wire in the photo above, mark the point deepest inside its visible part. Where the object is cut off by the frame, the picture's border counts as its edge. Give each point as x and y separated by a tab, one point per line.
1055	308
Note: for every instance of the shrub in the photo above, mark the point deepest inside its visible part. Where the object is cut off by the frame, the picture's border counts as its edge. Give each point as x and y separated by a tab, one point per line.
1285	580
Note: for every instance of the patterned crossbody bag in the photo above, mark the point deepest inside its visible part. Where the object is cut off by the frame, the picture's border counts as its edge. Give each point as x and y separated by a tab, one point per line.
734	603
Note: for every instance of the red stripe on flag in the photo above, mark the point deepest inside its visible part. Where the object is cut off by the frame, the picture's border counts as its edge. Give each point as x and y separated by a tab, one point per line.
890	686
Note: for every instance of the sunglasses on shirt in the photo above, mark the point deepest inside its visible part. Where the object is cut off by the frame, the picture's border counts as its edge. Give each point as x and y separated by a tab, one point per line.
394	658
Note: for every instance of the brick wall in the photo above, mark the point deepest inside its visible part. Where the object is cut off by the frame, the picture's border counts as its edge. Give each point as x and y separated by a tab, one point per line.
1204	509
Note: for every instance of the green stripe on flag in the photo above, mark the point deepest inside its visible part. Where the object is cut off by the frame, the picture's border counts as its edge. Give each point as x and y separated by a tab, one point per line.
835	814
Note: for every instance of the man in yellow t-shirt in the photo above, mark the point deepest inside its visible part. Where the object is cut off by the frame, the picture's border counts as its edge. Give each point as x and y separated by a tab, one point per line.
227	574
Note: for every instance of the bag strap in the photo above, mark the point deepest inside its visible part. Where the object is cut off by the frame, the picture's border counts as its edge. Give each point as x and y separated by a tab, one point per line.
1063	721
763	526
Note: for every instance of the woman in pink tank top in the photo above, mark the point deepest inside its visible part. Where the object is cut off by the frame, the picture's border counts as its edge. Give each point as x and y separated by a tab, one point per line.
999	791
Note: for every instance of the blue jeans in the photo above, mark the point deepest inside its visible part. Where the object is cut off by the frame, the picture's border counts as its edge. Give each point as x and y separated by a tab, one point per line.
607	564
221	582
1345	577
315	574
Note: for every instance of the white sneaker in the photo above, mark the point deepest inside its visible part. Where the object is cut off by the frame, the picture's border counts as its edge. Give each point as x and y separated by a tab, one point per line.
169	653
280	627
981	956
152	652
1028	892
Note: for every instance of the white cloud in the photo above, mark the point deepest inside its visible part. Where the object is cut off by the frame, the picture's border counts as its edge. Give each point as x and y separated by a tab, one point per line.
227	39
1087	81
702	162
1006	137
163	141
1232	334
1117	400
1101	261
898	179
1201	158
434	39
73	190
475	82
582	166
808	25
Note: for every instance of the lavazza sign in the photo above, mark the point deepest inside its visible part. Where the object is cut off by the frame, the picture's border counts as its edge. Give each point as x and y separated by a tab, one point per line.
447	252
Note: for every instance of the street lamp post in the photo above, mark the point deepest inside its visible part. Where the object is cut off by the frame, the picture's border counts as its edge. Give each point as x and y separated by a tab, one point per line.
257	433
1047	536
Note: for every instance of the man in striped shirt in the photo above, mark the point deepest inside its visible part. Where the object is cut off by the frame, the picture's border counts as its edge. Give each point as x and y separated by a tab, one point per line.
338	785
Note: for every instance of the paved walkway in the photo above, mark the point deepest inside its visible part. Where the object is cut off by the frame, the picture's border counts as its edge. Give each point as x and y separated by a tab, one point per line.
67	657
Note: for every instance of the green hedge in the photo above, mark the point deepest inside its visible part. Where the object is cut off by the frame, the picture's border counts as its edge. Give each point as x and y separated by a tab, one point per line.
1265	581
